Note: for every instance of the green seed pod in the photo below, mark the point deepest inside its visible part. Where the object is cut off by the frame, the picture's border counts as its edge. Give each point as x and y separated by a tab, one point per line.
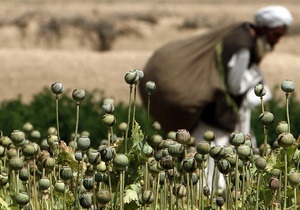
83	143
22	199
44	184
24	174
175	149
16	163
156	126
244	152
140	73
294	179
66	173
274	184
206	191
131	77
189	165
35	135
3	179
286	140
155	140
78	156
90	170
209	136
85	201
260	163
120	162
57	88
12	153
183	136
287	86
180	191
123	126
101	167
44	145
108	106
171	135
224	166
231	158
147	197
17	137
217	152
52	139
52	131
6	141
153	168
108	153
167	162
59	186
94	158
200	159
261	149
78	95
30	150
220	201
88	183
150	87
98	177
275	172
237	139
28	127
49	163
260	90
266	118
158	155
103	197
282	127
108	120
203	147
2	151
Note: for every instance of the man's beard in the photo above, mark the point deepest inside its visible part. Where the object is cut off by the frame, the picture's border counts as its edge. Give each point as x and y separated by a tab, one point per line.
262	47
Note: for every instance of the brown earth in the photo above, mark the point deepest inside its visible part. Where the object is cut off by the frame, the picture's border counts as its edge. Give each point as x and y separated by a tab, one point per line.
28	64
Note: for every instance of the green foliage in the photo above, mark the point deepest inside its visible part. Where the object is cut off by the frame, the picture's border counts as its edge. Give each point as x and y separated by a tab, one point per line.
42	115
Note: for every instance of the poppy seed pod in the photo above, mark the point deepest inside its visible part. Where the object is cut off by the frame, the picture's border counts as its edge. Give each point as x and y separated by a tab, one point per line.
6	141
22	198
180	191
294	179
266	118
175	149
123	126
203	147
2	151
17	137
287	86
147	197
140	73
200	159
150	87
24	174
167	162
189	165
94	158
108	106
28	127
44	184
57	88
30	150
217	152
209	136
286	140
237	139
155	140
52	139
156	126
16	163
274	184
282	127
260	163
108	120
49	163
88	183
260	90
59	186
103	197
78	95
107	154
131	77
231	158
3	179
85	201
120	162
224	166
183	136
83	143
220	201
244	152
66	173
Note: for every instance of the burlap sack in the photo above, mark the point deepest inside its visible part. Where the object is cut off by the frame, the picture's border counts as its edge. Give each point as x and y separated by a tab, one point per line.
186	79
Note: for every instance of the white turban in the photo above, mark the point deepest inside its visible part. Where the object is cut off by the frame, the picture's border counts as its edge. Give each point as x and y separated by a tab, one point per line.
273	16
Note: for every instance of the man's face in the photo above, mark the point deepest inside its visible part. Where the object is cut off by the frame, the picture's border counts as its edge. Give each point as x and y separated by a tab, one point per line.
273	35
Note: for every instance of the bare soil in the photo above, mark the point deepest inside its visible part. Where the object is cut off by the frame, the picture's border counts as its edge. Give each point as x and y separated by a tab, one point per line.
29	61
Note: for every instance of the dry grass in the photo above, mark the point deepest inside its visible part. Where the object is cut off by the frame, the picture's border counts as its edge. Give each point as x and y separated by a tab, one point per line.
42	41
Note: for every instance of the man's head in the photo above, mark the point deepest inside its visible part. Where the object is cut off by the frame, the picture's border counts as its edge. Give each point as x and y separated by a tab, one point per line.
273	22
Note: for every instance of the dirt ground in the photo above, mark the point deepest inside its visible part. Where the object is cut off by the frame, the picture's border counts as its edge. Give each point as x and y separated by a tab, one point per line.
27	66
